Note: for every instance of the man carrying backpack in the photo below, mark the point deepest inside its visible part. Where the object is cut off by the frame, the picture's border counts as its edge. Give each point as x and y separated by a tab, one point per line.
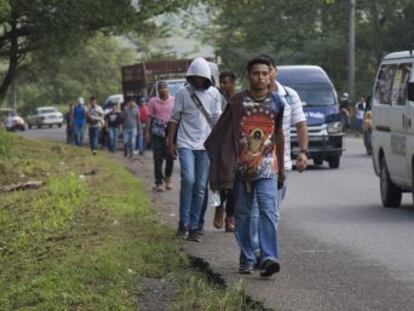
196	109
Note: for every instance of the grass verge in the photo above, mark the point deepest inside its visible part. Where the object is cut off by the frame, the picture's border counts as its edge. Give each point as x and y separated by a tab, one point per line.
83	240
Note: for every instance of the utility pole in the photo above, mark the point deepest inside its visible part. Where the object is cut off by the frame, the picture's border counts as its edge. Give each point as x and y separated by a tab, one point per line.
351	50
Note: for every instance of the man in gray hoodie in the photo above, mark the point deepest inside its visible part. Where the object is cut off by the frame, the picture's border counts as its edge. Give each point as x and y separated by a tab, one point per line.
197	108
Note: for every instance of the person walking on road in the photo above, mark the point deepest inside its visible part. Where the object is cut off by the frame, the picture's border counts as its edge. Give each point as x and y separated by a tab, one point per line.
79	121
70	127
144	117
360	108
113	121
160	109
131	124
293	115
345	111
227	89
196	109
95	118
246	149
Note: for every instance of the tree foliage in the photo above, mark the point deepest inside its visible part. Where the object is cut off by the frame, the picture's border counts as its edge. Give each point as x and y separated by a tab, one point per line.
89	69
311	32
40	25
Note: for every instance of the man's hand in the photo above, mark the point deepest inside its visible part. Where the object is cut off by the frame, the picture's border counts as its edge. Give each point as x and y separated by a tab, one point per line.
281	177
147	137
301	162
172	149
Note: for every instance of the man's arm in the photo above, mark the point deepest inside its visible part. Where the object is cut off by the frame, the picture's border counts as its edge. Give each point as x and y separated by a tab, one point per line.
280	153
172	129
174	120
299	121
303	140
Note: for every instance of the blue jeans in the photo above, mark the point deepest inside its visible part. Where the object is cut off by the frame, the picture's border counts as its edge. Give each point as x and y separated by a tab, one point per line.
94	137
140	144
194	173
255	216
344	121
266	193
112	138
130	136
79	131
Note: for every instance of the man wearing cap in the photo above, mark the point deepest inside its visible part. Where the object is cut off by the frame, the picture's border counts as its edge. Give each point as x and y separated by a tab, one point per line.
160	109
196	110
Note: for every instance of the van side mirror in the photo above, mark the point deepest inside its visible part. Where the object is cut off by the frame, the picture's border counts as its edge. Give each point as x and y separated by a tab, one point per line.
410	89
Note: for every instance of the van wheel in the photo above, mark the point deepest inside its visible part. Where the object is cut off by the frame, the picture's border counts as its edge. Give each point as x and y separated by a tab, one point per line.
390	194
334	162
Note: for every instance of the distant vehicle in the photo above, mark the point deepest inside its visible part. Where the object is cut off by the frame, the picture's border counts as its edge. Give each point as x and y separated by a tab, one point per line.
139	80
320	104
45	116
112	100
11	120
393	127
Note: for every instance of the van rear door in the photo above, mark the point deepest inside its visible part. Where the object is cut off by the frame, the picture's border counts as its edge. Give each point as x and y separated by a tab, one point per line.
388	117
409	125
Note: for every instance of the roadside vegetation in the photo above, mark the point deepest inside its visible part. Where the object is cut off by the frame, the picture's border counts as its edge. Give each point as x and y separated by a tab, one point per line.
86	238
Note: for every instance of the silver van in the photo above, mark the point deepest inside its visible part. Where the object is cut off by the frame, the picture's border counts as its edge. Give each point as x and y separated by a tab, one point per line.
393	127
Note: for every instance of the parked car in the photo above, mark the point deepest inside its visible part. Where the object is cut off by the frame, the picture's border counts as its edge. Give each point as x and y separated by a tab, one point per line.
11	120
393	127
320	104
45	116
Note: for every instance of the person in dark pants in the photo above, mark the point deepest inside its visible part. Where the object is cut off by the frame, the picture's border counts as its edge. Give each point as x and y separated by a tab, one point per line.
70	129
113	121
160	109
95	118
227	82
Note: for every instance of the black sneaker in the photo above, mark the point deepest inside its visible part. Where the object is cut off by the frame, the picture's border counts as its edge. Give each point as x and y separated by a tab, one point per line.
269	268
257	264
194	236
182	231
246	270
201	230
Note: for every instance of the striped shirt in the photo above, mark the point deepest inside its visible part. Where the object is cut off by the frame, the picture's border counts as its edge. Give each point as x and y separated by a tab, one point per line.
292	115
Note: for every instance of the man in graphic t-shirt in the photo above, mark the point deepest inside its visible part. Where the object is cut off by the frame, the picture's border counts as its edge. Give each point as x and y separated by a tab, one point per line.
249	141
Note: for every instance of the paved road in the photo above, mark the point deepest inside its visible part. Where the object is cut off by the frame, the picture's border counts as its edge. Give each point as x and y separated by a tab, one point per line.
341	250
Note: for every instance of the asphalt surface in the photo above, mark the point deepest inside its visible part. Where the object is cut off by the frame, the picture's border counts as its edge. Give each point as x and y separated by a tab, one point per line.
340	249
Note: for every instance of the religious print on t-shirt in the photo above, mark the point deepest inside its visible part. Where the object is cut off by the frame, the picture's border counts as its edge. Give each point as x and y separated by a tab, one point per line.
259	123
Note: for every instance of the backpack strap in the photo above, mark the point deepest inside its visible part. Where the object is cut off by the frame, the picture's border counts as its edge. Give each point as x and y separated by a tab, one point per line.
199	104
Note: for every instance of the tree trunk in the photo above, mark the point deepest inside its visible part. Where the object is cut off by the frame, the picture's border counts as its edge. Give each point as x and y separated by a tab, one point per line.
13	63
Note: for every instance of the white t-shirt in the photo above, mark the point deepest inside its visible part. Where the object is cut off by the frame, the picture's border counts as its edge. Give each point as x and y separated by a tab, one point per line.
292	115
193	128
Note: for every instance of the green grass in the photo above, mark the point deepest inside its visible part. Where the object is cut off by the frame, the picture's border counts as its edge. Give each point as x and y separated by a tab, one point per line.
81	241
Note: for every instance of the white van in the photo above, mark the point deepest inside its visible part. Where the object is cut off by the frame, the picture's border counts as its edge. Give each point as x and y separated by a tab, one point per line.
393	127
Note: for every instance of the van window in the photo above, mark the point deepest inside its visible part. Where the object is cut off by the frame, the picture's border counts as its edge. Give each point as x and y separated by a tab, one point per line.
315	94
399	86
383	88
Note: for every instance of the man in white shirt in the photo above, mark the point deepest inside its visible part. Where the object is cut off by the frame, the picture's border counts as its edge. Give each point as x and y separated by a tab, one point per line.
196	109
